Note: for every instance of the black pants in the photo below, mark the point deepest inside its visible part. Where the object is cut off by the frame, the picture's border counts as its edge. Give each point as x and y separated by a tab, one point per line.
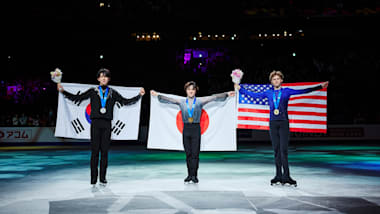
279	134
192	144
100	141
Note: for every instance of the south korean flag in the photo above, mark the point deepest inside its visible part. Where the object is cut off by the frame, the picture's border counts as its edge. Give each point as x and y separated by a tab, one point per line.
74	121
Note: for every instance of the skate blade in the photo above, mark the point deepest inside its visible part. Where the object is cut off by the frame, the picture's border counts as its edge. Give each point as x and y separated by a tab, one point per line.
275	184
190	182
289	185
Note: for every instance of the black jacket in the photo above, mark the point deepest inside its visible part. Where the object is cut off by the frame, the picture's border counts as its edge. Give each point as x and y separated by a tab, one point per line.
93	93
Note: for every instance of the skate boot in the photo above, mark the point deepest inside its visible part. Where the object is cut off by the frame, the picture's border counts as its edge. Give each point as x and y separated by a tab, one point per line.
194	179
187	179
289	181
275	181
103	182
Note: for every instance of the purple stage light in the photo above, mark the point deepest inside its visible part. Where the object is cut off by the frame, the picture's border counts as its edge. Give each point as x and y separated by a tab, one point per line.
200	54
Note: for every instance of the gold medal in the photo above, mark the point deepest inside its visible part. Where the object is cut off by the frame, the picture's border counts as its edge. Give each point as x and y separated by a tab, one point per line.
191	120
276	112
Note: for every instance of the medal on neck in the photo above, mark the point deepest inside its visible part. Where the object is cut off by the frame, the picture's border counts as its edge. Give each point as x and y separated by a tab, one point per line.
103	99
190	111
276	102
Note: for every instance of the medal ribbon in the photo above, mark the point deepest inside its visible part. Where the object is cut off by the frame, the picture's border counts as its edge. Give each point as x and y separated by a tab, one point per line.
192	107
276	102
103	97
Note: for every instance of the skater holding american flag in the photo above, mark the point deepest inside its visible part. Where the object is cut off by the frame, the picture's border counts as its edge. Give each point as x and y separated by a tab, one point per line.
277	97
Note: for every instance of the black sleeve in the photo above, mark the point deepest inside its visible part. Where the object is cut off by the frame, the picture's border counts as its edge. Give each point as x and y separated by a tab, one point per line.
125	101
79	97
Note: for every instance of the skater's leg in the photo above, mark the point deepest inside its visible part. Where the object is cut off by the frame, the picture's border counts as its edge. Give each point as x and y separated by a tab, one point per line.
195	149
284	142
275	139
186	139
95	147
104	147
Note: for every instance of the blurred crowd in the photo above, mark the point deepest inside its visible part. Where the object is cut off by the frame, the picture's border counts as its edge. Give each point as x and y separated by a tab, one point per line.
33	102
28	119
351	74
27	102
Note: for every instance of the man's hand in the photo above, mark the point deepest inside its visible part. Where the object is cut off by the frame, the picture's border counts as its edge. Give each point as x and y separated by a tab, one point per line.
231	93
237	86
325	84
154	93
142	91
60	87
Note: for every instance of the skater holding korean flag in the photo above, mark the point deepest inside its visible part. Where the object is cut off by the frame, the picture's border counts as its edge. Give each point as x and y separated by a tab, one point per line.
102	99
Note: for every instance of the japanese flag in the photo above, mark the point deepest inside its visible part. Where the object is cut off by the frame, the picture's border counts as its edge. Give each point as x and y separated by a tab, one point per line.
218	125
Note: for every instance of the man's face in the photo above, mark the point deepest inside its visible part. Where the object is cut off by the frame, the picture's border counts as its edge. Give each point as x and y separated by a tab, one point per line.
191	91
276	81
103	80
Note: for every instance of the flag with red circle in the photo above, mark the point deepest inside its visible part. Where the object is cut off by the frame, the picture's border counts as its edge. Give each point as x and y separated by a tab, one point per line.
218	125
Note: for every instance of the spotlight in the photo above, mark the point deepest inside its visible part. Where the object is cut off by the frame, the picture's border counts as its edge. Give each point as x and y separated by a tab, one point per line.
278	34
294	54
101	4
290	34
101	56
216	36
143	36
259	34
273	34
194	38
265	35
138	36
232	38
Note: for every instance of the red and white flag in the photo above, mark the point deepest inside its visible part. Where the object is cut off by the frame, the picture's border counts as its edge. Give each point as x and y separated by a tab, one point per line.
218	125
307	112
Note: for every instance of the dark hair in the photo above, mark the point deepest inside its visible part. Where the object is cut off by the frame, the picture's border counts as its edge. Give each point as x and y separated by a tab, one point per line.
104	71
191	83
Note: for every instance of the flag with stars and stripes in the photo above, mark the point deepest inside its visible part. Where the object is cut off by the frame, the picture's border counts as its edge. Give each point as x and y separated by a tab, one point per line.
307	112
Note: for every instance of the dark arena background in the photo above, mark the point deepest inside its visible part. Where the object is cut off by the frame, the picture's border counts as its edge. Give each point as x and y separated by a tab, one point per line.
161	45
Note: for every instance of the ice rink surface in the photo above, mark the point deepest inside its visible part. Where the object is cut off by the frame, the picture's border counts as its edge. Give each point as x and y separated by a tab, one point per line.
331	179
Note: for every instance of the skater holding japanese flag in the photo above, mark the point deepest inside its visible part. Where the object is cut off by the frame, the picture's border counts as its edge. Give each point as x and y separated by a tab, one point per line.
191	110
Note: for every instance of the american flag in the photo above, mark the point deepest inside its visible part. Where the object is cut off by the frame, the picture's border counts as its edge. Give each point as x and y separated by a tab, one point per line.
307	112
